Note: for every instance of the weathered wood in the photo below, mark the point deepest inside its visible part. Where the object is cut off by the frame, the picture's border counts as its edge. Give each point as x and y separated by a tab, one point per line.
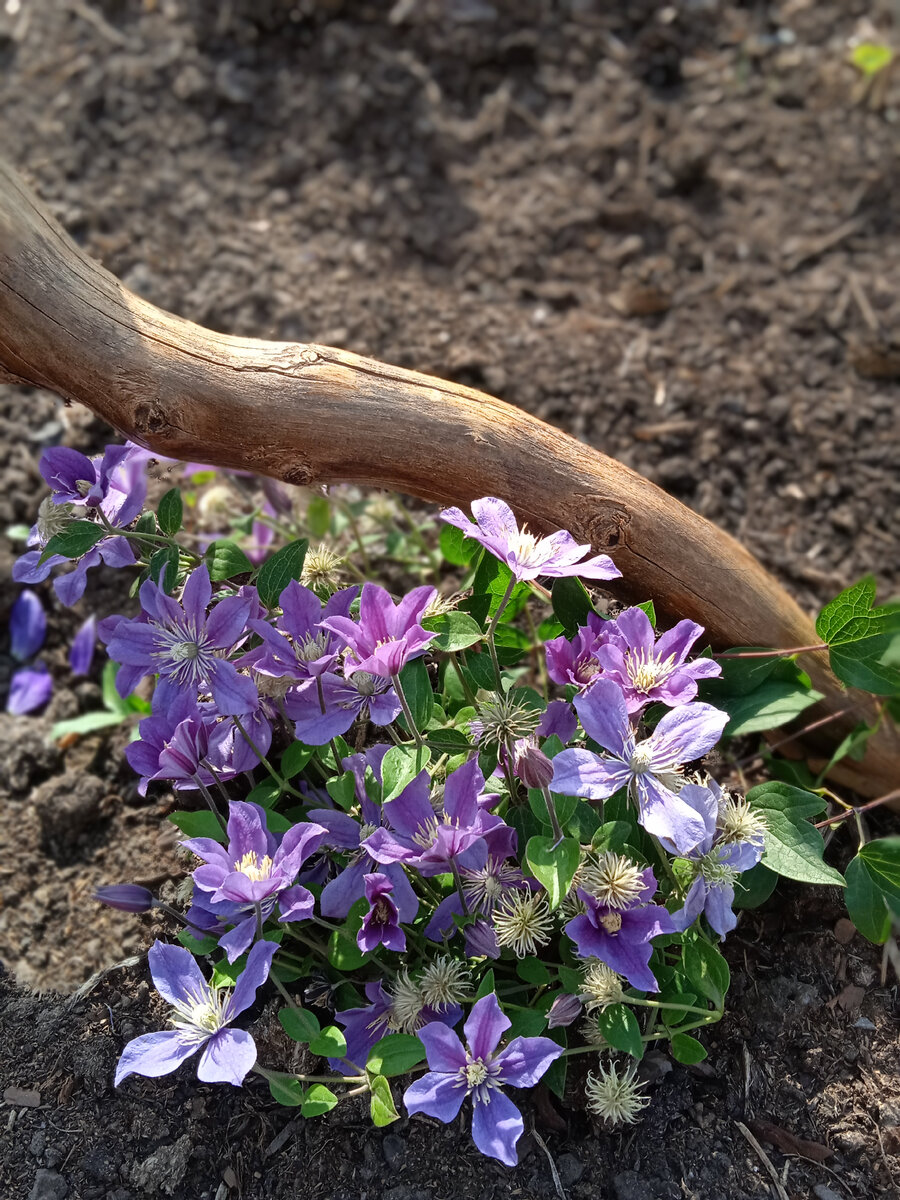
311	414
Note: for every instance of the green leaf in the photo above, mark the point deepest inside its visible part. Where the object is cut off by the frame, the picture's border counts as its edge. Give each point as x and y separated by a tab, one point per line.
456	548
286	1089
571	603
571	980
769	706
448	741
706	970
865	673
299	1024
382	1109
170	512
649	608
455	631
225	559
487	984
319	1099
265	794
163	567
295	758
754	887
619	1026
418	692
146	523
399	767
553	866
612	835
794	848
87	723
871	57
866	904
882	861
532	970
583	823
492	579
342	790
197	946
555	1076
565	806
851	617
278	571
395	1055
199	824
74	541
318	516
330	1043
526	1022
686	1049
741	676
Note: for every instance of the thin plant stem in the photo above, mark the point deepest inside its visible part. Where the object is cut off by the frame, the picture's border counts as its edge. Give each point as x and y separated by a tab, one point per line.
459	887
855	812
283	784
554	819
207	796
407	713
773	653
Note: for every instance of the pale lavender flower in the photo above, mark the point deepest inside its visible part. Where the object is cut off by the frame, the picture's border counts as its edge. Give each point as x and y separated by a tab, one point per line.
574	660
201	1016
621	936
479	1070
179	642
649	669
298	648
81	652
328	705
255	871
381	924
27	626
386	1013
649	769
387	635
564	1010
528	556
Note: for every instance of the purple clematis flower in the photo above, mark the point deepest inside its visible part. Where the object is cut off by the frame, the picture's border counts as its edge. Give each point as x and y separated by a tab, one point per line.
253	873
716	865
178	642
575	660
173	744
526	555
480	1071
484	885
649	769
27	626
297	648
328	705
434	842
346	833
81	652
620	937
201	1015
647	669
381	924
365	1026
29	689
388	635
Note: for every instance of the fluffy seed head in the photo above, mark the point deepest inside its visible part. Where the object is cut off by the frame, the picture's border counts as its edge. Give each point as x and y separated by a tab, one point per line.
613	879
321	569
614	1094
738	822
444	982
52	519
523	922
602	986
503	720
407	1003
591	1035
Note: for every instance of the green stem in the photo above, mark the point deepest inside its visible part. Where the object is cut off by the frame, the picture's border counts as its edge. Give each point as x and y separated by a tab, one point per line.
283	784
492	628
467	691
459	887
207	796
662	1004
554	819
407	713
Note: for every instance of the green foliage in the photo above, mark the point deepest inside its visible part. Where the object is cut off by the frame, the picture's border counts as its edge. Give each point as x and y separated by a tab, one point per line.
330	1043
74	541
201	823
532	970
860	636
395	1055
553	865
455	630
382	1108
170	512
318	1099
620	1027
299	1024
226	560
277	572
794	847
866	904
686	1049
418	692
871	58
571	603
285	1089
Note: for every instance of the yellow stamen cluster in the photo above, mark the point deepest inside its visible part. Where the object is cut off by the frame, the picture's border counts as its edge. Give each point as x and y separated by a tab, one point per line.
253	867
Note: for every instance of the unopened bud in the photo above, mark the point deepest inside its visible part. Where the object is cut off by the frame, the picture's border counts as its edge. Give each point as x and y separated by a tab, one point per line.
481	940
563	1011
127	897
533	766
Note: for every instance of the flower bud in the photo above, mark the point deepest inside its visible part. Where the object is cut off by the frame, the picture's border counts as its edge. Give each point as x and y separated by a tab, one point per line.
127	897
481	940
533	766
563	1011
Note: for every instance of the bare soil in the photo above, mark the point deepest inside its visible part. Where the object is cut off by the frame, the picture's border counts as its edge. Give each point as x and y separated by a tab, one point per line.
670	230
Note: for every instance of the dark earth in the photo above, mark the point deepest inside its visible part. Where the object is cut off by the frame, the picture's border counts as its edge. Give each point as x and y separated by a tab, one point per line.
669	229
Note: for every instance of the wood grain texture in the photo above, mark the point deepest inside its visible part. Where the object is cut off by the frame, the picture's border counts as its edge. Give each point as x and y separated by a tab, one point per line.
310	414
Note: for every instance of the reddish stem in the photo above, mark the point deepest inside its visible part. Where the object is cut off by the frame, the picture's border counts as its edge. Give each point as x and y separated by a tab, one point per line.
855	812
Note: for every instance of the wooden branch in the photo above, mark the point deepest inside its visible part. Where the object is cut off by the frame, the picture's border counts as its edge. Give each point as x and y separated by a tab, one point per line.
312	414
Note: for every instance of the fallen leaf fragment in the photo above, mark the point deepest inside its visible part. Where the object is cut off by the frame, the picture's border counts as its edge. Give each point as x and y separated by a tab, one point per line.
789	1143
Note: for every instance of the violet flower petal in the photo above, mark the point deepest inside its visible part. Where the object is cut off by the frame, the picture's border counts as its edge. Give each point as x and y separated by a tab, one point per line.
27	626
496	1127
176	975
486	1024
254	974
81	653
443	1049
227	1057
525	1060
604	716
154	1054
438	1096
29	688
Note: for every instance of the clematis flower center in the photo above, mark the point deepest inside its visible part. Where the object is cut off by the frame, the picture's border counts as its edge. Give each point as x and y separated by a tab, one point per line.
200	1014
476	1072
522	545
83	486
184	651
253	868
611	922
641	758
313	647
645	672
425	834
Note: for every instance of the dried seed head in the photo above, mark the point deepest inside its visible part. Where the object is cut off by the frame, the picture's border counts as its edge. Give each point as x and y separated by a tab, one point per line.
738	822
613	879
614	1094
503	720
407	1003
52	519
602	986
445	982
321	569
523	922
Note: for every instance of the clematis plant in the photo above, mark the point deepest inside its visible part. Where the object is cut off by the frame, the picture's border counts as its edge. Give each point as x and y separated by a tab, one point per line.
424	811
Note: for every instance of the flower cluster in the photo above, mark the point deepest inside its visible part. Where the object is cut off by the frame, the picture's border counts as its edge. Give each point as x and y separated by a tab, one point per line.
468	828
